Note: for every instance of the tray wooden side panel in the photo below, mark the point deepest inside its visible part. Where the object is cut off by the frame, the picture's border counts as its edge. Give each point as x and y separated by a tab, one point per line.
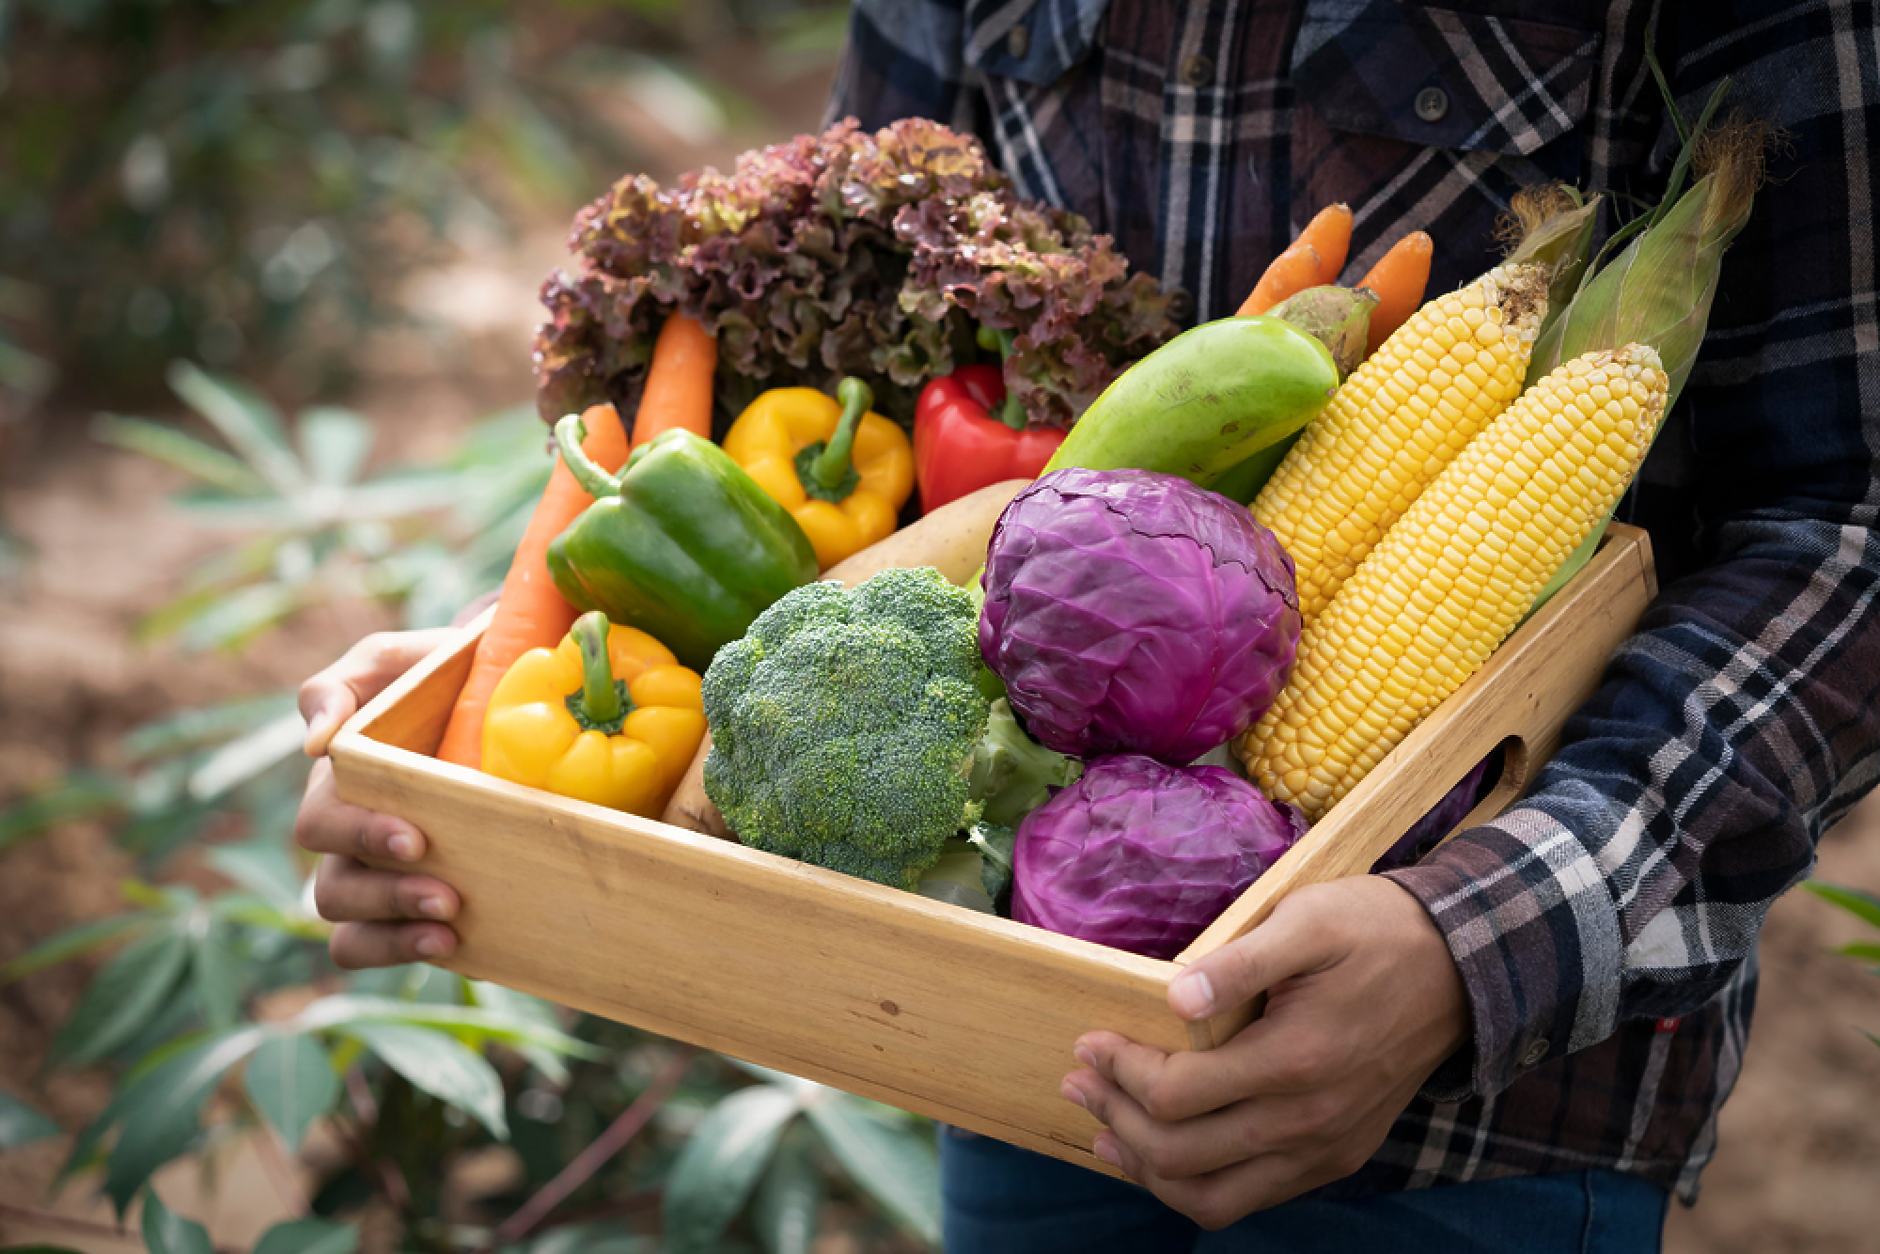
1538	677
960	1016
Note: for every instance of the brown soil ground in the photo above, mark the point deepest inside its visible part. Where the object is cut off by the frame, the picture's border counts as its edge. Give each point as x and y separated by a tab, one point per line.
1800	1144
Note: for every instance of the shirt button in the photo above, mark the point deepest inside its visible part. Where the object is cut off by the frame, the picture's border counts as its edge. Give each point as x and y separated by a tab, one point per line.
1535	1052
1197	71
1018	42
1181	305
1432	104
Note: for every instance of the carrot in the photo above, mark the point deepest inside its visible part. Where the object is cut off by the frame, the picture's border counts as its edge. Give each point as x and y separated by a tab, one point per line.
679	382
1328	237
1330	233
1398	278
530	612
1293	271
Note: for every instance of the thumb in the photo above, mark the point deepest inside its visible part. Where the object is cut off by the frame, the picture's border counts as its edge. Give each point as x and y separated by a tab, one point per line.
325	707
334	695
1292	941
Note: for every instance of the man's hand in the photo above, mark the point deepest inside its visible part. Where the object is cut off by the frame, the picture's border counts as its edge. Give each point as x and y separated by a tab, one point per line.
375	911
1363	1003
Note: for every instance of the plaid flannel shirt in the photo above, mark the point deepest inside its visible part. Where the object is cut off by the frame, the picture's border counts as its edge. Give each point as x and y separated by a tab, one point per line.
1606	926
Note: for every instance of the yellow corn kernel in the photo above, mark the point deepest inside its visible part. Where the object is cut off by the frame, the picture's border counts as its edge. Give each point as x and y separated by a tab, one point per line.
1334	698
1389	429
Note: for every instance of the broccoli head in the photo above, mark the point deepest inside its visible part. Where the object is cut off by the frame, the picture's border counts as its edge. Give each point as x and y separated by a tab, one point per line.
843	725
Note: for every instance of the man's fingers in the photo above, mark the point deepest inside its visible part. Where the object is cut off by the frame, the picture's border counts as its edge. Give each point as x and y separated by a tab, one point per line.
345	891
1169	1149
1293	941
1168	1086
334	695
1266	1058
358	945
1217	1198
325	824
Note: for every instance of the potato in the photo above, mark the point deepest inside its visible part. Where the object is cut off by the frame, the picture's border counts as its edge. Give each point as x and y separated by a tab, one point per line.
952	539
690	808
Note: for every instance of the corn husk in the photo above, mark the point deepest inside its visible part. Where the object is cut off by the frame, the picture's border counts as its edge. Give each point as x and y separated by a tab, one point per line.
1551	226
1658	288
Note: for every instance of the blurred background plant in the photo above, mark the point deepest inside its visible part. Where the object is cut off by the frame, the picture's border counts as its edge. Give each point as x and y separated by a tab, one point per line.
211	214
1861	905
245	184
433	1113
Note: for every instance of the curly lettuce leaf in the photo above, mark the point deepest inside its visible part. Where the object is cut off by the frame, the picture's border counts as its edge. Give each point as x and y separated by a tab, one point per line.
847	252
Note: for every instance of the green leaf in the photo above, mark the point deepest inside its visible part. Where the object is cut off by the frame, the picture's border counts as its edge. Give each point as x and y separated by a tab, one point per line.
250	911
75	798
241	760
206	725
172	447
1863	951
896	1164
595	1238
265	866
308	1236
440	1065
1862	905
333	444
217	980
720	1164
125	994
789	1199
75	941
291	1081
520	1007
150	897
20	1124
250	424
166	1232
236	617
159	1113
473	1025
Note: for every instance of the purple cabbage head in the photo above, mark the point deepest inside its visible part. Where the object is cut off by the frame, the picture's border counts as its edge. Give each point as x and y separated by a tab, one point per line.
1454	807
1133	612
1142	856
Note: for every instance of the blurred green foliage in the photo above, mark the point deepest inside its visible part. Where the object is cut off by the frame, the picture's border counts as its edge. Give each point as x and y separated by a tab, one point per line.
1861	905
244	182
618	1140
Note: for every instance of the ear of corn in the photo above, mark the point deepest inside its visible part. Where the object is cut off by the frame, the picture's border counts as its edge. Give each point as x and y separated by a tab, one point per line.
1455	575
1396	422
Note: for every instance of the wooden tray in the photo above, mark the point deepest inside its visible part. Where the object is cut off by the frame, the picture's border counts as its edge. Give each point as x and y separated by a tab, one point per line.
954	1014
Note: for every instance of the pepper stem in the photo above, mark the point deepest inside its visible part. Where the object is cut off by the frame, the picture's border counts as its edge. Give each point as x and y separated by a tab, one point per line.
831	467
597	483
1011	413
600	697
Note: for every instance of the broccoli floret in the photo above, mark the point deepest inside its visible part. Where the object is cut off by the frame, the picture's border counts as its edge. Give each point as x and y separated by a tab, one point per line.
1012	773
843	725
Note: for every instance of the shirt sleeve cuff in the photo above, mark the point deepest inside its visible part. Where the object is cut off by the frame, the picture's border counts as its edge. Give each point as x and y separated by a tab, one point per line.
1531	925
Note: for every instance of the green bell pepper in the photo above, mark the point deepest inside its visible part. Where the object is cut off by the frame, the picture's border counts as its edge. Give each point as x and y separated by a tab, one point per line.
682	544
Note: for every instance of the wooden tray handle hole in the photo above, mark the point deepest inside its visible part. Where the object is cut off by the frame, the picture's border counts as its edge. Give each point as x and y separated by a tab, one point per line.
1507	778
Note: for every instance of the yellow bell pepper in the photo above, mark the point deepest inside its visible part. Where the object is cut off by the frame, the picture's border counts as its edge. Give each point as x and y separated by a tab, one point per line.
843	473
607	716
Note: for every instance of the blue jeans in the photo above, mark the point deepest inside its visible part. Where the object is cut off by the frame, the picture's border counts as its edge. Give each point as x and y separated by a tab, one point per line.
1002	1200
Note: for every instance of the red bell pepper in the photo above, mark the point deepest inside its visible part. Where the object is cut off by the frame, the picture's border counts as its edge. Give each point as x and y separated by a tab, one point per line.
960	447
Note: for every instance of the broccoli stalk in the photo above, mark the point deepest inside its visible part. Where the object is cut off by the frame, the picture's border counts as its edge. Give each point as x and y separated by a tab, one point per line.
1013	774
844	725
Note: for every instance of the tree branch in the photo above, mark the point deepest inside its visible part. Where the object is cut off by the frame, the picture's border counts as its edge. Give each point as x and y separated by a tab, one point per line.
597	1154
